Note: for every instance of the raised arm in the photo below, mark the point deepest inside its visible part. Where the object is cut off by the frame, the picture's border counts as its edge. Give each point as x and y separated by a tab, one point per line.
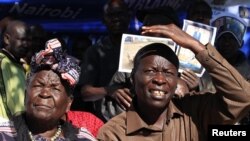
232	100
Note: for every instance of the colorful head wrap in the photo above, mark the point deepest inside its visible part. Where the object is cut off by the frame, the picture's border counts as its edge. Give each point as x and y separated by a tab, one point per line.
54	58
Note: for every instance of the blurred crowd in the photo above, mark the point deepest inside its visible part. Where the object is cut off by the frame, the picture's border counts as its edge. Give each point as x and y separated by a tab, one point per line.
102	95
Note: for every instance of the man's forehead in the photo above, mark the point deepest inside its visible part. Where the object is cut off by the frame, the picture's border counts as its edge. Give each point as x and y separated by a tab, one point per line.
20	29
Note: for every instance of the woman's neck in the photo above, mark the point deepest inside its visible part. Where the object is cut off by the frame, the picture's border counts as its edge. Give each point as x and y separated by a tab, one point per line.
46	129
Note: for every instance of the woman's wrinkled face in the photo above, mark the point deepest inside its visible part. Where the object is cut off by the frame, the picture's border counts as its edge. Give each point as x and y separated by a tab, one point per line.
46	96
155	81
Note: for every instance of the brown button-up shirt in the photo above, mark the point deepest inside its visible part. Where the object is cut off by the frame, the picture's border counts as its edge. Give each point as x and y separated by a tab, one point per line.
187	118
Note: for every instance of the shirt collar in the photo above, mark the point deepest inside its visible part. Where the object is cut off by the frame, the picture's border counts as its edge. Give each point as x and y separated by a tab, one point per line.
173	110
135	123
10	56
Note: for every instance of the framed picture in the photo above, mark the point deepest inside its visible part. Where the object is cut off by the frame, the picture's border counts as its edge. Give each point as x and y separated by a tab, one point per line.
130	44
202	32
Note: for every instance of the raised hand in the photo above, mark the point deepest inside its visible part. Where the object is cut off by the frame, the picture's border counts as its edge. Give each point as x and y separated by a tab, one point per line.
176	34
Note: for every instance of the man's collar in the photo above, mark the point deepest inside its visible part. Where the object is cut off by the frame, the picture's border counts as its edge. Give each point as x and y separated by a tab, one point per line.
135	122
173	111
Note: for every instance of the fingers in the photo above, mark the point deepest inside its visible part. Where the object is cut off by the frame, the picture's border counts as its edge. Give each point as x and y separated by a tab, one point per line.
120	104
190	83
156	29
190	78
125	93
168	31
190	75
176	34
124	98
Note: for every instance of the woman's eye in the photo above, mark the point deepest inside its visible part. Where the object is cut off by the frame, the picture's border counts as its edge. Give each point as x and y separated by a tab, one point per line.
56	89
37	85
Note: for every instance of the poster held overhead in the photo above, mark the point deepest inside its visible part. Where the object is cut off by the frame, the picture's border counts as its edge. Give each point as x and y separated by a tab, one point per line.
202	32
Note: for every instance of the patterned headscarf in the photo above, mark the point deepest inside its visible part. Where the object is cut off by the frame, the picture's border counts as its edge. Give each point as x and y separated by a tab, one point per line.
54	58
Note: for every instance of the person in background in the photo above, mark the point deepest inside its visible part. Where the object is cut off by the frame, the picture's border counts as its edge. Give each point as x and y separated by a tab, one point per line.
77	114
199	11
12	74
3	24
156	115
79	45
38	37
50	85
229	46
102	60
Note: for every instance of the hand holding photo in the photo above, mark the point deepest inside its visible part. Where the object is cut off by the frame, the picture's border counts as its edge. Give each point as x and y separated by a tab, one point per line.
202	32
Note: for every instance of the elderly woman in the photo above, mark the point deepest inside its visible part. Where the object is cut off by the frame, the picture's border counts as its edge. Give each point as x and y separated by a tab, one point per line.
48	97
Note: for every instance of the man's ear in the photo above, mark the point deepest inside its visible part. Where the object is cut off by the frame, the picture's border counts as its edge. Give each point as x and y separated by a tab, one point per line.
6	38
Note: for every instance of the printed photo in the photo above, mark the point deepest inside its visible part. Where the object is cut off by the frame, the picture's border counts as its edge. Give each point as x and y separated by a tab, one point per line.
202	32
130	44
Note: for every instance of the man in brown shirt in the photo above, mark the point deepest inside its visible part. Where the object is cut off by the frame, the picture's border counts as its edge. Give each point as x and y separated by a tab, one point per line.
158	116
